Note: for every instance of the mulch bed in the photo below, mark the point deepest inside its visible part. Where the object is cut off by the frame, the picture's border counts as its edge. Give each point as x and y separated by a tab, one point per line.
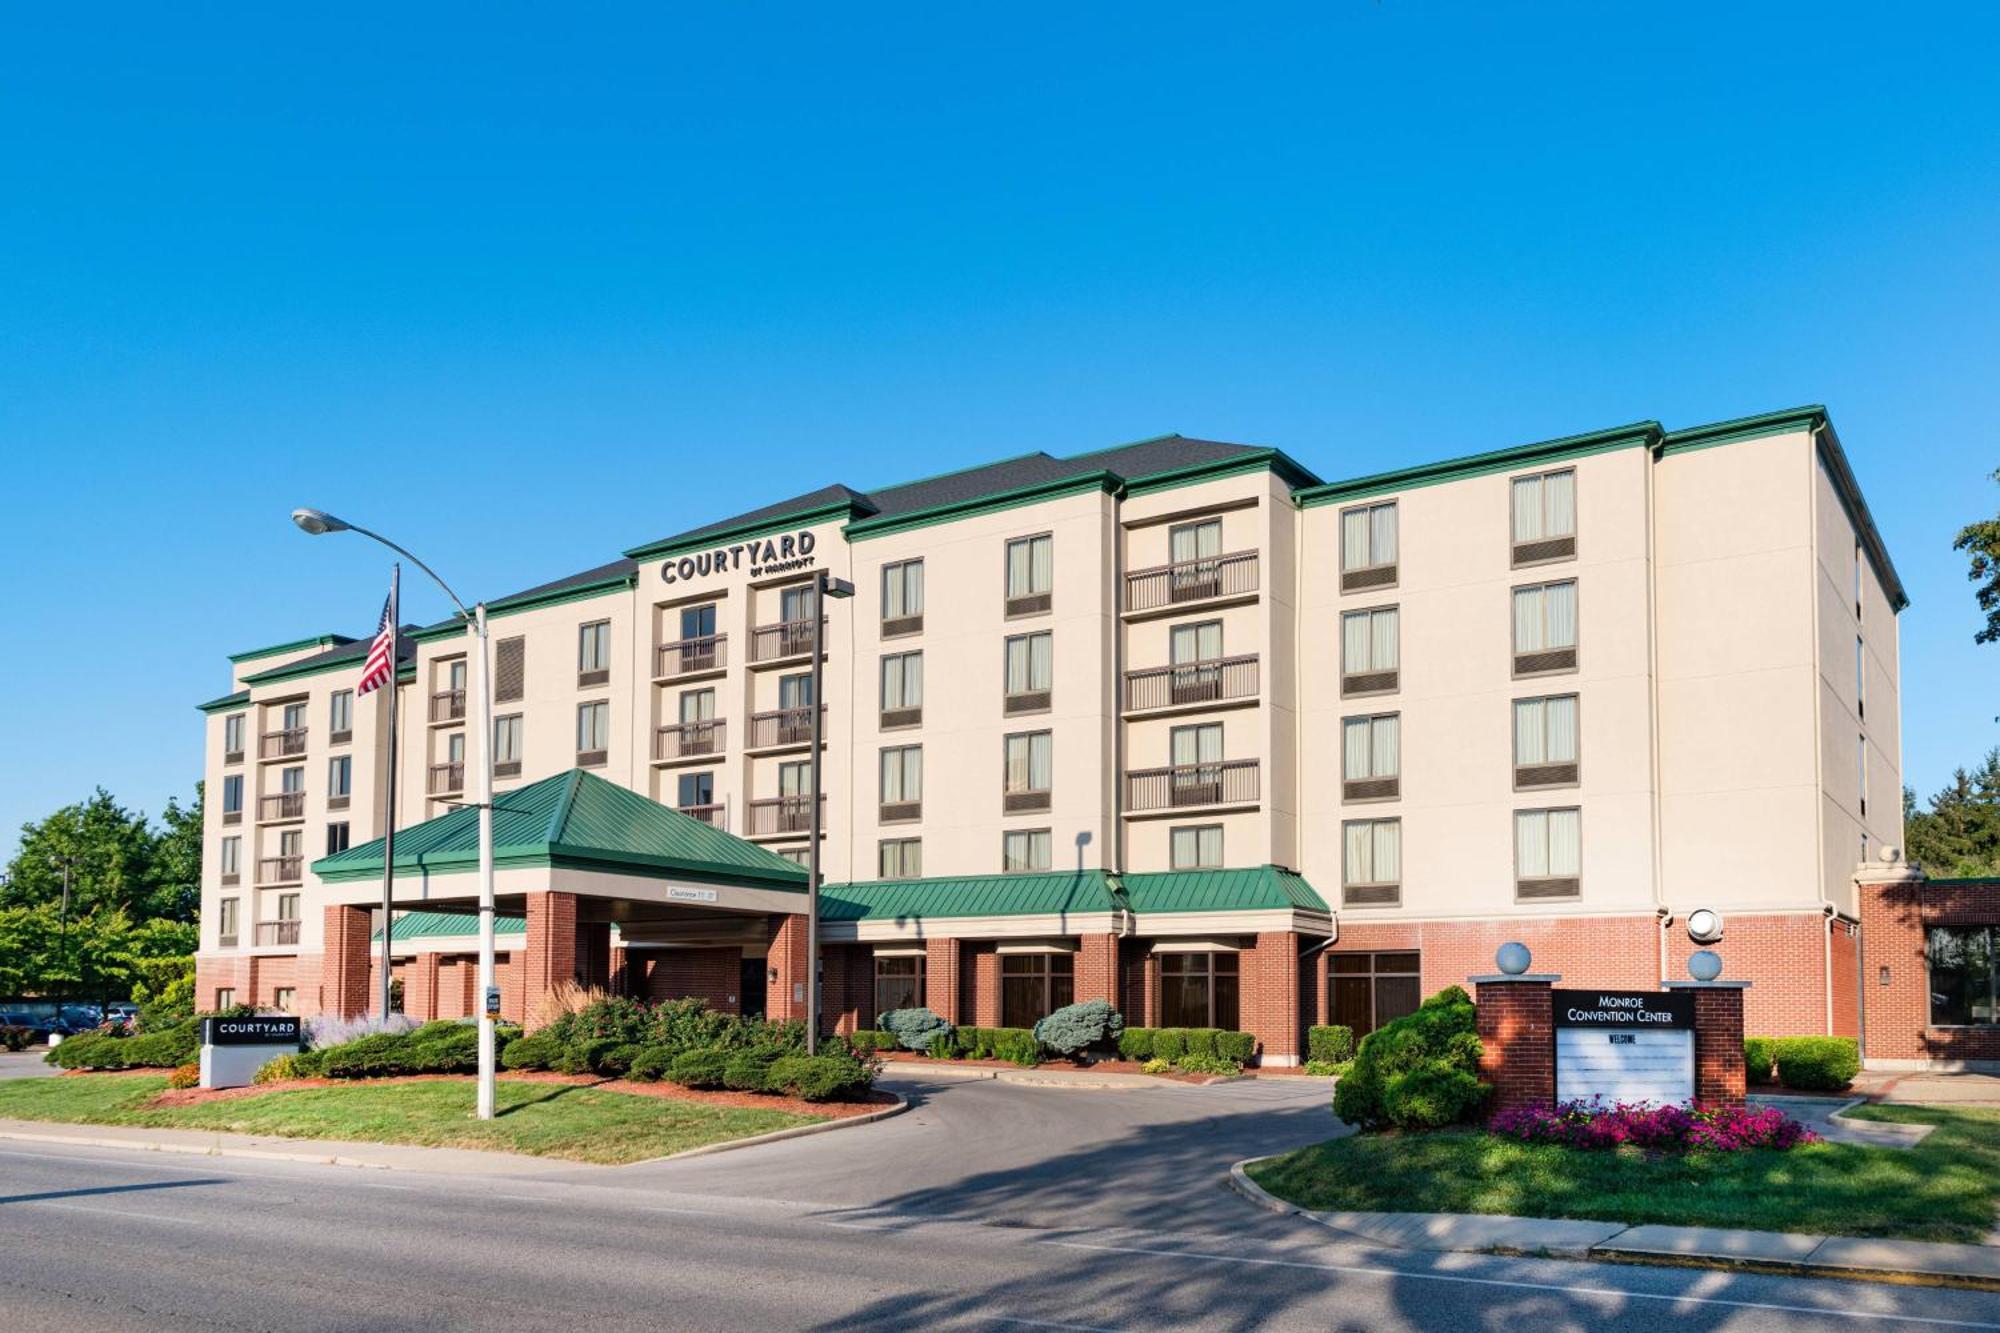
1098	1067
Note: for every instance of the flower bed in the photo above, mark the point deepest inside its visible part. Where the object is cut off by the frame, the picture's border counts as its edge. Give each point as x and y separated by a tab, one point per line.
1697	1128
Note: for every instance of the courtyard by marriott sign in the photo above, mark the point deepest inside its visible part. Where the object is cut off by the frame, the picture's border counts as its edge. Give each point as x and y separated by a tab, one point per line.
1624	1046
772	555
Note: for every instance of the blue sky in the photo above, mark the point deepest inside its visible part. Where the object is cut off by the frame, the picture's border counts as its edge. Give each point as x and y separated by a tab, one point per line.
470	273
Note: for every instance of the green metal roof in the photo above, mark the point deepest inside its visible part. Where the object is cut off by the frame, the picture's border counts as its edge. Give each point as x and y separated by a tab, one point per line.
226	702
431	925
1037	894
1256	889
296	645
574	819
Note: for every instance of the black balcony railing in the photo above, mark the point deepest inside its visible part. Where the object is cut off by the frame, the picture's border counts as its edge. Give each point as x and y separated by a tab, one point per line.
447	778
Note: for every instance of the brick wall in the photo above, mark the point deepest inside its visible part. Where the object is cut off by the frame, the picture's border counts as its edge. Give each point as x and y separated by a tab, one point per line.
551	949
1136	988
1517	1032
944	980
343	983
979	984
847	973
1268	999
214	972
714	976
1097	969
1895	916
1719	1072
1845	982
784	995
420	987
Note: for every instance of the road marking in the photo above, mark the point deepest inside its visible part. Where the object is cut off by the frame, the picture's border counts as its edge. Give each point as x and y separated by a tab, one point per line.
1362	1271
1046	1323
115	1212
690	1212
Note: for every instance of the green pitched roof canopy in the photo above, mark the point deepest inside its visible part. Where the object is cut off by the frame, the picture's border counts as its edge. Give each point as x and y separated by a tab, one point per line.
1256	889
445	925
575	820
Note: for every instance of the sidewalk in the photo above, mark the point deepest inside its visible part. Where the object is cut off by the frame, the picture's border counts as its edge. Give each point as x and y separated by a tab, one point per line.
1843	1256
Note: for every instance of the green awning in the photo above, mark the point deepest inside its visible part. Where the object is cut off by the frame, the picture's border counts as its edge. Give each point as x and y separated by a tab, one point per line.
1256	889
1041	894
433	925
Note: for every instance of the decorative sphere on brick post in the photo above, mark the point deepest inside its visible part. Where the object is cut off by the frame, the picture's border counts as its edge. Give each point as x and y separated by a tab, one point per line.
1705	965
1513	958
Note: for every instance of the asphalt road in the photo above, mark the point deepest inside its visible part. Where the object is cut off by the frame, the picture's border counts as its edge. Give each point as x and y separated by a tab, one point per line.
988	1206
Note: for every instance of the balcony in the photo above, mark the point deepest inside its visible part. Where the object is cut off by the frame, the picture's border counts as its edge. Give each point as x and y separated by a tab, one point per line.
447	779
711	815
284	744
1185	582
781	727
1180	786
782	815
786	639
285	805
279	869
690	740
277	932
448	706
691	657
1209	681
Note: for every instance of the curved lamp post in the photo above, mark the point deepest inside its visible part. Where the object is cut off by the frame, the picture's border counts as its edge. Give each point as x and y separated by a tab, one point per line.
317	522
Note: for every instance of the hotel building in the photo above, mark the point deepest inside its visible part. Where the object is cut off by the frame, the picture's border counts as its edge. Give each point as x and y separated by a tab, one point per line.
1177	723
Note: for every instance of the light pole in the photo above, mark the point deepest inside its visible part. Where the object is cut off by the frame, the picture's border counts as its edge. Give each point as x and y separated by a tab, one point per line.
65	860
316	522
825	585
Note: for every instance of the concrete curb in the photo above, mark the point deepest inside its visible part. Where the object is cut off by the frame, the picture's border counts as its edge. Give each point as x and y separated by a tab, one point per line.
1031	1078
795	1132
1925	1263
214	1148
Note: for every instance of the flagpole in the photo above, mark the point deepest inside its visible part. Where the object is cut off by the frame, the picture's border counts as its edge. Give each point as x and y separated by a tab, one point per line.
389	799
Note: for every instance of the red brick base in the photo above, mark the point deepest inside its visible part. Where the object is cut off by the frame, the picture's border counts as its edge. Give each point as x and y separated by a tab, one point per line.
1518	1043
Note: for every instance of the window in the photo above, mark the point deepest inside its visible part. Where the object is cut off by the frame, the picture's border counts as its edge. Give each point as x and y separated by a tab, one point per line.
1545	628
902	689
1031	572
593	653
1197	847
339	781
232	798
798	856
902	782
795	691
795	779
338	837
454	673
228	920
1857	580
230	859
454	748
899	981
1964	975
1545	517
1861	774
902	597
899	858
1371	757
507	746
291	843
1030	672
1860	679
232	737
1548	853
340	715
1029	772
292	780
285	999
1035	985
1199	642
288	907
1370	989
1368	547
295	717
1199	990
593	732
1369	660
1372	862
1025	849
699	647
1545	742
225	996
510	670
695	791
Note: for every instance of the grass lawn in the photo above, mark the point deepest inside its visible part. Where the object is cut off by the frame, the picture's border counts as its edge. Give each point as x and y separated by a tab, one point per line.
1946	1188
543	1119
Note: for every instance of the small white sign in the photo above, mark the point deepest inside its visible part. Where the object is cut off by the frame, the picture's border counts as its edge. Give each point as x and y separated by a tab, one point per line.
681	895
1653	1067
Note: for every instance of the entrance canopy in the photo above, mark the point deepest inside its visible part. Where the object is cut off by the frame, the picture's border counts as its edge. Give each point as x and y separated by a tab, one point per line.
628	859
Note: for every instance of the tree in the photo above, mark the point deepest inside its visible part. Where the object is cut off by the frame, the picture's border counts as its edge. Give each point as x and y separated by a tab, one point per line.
176	871
1982	541
1960	833
107	848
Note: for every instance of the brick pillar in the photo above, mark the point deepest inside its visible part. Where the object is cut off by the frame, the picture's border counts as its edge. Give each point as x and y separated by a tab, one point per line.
1149	1003
979	1005
1269	1000
551	951
344	970
941	979
1895	983
621	984
420	987
785	995
1097	969
1517	1033
1719	1072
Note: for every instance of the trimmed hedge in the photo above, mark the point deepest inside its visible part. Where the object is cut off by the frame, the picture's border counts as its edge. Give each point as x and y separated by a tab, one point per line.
444	1046
1760	1058
699	1069
1136	1044
1329	1045
749	1070
1817	1064
537	1052
1075	1028
1419	1071
1014	1045
826	1077
168	1048
1175	1044
651	1064
867	1040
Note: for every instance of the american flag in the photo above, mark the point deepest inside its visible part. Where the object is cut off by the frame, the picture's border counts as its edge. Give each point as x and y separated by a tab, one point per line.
380	667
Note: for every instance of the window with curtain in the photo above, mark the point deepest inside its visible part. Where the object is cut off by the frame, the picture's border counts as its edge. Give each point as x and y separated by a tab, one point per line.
1370	989
1195	541
454	748
1200	642
902	681
340	775
1545	740
1196	847
1544	507
1371	747
694	789
698	622
902	589
1196	745
1368	537
593	727
1200	990
1372	859
1964	963
1548	852
231	918
232	734
291	843
795	603
1030	663
294	715
507	739
903	775
292	780
337	837
232	856
795	691
1545	617
899	982
1369	655
1026	849
1035	985
1030	762
697	706
795	778
1031	566
899	858
593	646
340	712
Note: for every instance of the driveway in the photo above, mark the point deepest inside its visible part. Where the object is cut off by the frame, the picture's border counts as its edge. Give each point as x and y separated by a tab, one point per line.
25	1064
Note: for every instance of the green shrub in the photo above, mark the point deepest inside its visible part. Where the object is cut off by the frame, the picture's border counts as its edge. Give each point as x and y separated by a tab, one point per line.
1136	1044
1818	1064
308	1064
749	1070
14	1038
914	1029
944	1045
1416	1072
1016	1045
377	1055
699	1069
1156	1066
651	1064
827	1077
617	1060
536	1052
1235	1047
1076	1028
441	1048
690	1025
280	1070
1169	1044
1206	1064
1330	1045
1324	1068
1760	1056
594	1052
618	1017
866	1040
1199	1041
169	1048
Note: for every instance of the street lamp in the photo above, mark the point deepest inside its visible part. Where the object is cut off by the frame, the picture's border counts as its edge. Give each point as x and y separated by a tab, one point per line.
317	522
825	585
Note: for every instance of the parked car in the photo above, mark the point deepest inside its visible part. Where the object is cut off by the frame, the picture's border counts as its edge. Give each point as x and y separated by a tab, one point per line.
120	1011
39	1024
